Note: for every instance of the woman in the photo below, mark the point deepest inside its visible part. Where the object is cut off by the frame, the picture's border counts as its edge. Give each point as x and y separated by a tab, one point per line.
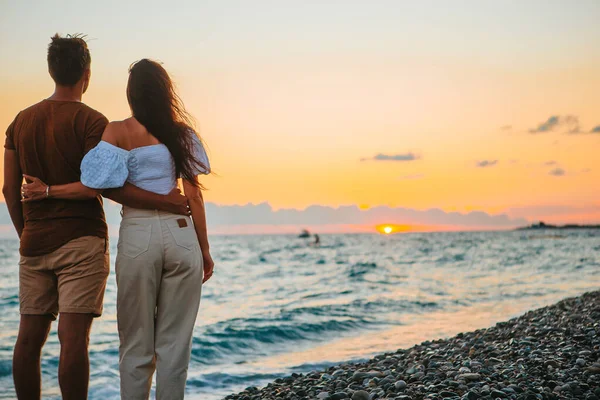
162	258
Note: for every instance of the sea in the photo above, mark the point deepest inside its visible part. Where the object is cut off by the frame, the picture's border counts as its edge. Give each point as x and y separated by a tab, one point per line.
279	305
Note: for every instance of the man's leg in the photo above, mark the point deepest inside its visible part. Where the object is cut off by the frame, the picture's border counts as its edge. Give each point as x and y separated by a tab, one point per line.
74	365
38	298
82	267
33	331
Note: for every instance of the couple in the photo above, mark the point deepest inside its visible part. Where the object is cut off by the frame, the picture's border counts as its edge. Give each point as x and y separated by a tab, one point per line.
70	155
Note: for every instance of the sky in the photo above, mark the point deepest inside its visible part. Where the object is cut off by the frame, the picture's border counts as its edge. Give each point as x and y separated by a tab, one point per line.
462	106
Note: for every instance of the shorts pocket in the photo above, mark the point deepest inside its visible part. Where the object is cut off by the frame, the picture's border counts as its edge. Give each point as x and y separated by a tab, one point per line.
184	236
134	240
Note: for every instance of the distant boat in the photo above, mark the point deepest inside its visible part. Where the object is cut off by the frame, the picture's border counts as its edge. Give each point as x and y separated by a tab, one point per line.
305	234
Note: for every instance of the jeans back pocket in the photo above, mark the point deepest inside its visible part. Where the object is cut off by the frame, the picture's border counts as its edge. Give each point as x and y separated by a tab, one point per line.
183	234
134	239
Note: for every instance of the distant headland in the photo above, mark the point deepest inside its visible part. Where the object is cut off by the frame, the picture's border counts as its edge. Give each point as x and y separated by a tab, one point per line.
542	225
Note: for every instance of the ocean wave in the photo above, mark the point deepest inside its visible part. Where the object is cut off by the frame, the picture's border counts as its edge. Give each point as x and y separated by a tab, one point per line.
9	301
360	308
219	344
358	270
223	380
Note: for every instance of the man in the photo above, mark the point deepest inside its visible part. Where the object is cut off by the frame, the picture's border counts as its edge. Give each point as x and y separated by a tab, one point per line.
64	243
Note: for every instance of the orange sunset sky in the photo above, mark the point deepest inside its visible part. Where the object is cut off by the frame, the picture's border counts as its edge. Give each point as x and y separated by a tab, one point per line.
457	105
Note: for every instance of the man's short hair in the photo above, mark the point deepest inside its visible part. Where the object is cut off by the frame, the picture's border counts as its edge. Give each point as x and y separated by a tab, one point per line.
68	58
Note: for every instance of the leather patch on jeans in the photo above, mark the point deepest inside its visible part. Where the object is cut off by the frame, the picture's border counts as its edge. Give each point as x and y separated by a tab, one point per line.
182	222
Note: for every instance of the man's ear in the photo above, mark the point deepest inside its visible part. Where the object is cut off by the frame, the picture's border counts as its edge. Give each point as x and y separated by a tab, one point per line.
87	75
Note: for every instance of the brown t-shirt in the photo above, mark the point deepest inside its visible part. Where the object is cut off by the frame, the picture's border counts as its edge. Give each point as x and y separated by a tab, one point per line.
51	138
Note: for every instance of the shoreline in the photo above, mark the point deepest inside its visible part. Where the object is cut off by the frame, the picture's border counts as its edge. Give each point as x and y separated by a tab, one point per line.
549	353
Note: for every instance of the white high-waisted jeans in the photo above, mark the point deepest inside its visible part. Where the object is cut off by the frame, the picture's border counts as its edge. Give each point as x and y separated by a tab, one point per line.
159	279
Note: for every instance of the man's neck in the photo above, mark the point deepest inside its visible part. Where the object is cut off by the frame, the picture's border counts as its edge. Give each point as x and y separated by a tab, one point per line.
66	93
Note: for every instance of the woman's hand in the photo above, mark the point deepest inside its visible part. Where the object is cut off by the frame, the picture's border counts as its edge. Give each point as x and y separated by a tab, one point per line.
209	267
178	203
35	190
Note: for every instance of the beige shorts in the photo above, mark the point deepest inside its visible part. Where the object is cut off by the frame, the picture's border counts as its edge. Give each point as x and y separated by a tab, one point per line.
71	279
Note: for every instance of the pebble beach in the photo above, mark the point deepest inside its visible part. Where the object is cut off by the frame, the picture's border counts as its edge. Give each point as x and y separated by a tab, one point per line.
548	354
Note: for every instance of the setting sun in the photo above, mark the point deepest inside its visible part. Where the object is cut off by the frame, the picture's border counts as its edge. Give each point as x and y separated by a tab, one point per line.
389	229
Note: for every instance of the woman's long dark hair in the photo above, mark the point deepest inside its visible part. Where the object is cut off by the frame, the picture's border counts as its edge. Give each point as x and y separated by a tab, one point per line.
156	105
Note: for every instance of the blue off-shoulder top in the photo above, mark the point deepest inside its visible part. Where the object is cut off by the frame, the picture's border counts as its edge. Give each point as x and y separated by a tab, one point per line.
149	167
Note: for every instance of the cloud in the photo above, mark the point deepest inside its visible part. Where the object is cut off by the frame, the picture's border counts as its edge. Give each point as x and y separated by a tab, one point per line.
565	123
393	157
547	126
595	129
550	163
324	215
560	213
506	128
414	176
557	172
486	163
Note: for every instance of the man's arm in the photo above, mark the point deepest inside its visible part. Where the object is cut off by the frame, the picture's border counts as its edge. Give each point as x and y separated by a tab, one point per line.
12	189
128	195
36	190
134	197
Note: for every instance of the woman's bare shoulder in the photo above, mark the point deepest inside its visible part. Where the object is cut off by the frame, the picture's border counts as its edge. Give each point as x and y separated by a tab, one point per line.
113	132
125	134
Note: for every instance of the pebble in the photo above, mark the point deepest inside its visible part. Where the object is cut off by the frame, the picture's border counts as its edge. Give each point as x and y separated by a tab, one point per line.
360	395
400	385
359	376
471	395
495	361
594	369
469	377
515	388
